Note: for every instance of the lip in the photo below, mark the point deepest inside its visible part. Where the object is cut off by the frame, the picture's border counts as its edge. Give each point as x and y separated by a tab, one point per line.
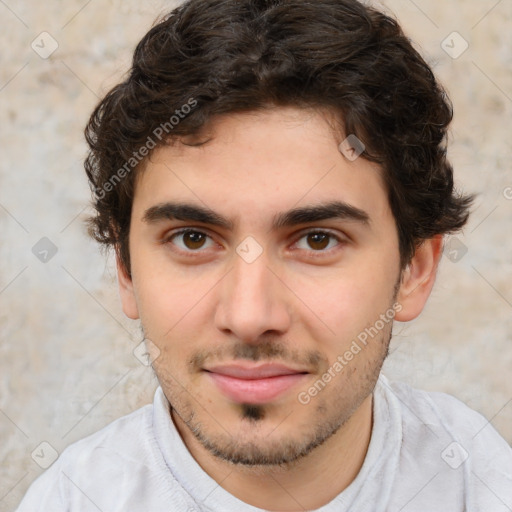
254	384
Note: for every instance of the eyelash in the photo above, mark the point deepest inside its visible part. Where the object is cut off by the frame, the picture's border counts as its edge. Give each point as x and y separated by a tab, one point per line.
318	253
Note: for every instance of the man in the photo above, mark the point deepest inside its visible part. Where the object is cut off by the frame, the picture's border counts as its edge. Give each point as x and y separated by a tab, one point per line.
272	176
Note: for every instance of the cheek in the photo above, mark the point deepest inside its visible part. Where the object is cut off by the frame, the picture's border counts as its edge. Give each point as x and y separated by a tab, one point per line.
347	299
162	304
169	299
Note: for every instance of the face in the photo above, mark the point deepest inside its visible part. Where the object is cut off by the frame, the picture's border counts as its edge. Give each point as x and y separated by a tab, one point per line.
259	259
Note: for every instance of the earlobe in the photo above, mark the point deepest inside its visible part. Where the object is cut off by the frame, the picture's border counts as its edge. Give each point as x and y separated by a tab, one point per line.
418	279
126	291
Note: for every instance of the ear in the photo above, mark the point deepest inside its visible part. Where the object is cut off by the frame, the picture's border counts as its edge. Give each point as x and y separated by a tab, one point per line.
126	291
418	279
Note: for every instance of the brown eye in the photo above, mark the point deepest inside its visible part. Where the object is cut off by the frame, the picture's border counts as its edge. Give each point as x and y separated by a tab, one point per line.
189	241
318	241
194	240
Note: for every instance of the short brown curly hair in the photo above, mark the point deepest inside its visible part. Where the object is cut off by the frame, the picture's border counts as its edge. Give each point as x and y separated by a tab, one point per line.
226	56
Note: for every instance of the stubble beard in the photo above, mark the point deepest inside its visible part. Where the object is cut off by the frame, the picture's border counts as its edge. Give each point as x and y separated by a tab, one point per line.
253	450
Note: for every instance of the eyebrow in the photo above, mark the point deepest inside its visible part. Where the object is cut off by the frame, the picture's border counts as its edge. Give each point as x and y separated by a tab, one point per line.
303	215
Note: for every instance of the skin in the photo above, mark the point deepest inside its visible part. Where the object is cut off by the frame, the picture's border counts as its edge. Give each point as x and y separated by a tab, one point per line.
302	302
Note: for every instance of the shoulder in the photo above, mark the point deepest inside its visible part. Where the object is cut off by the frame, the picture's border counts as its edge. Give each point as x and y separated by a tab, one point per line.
127	437
442	413
87	465
454	442
129	424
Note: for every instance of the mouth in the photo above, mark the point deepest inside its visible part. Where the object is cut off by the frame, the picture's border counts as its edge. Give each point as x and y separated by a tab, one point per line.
253	384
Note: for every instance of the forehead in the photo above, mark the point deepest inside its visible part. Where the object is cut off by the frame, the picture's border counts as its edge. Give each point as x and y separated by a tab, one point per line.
258	163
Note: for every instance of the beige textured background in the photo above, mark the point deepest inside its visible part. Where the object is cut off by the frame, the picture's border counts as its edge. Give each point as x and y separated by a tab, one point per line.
66	362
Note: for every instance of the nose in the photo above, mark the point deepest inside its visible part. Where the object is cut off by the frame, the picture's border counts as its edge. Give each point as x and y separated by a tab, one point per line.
253	302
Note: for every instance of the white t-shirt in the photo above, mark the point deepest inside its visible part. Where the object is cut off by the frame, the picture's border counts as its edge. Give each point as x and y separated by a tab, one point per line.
428	453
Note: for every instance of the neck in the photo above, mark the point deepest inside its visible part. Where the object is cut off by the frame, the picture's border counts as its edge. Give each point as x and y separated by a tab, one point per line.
307	484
